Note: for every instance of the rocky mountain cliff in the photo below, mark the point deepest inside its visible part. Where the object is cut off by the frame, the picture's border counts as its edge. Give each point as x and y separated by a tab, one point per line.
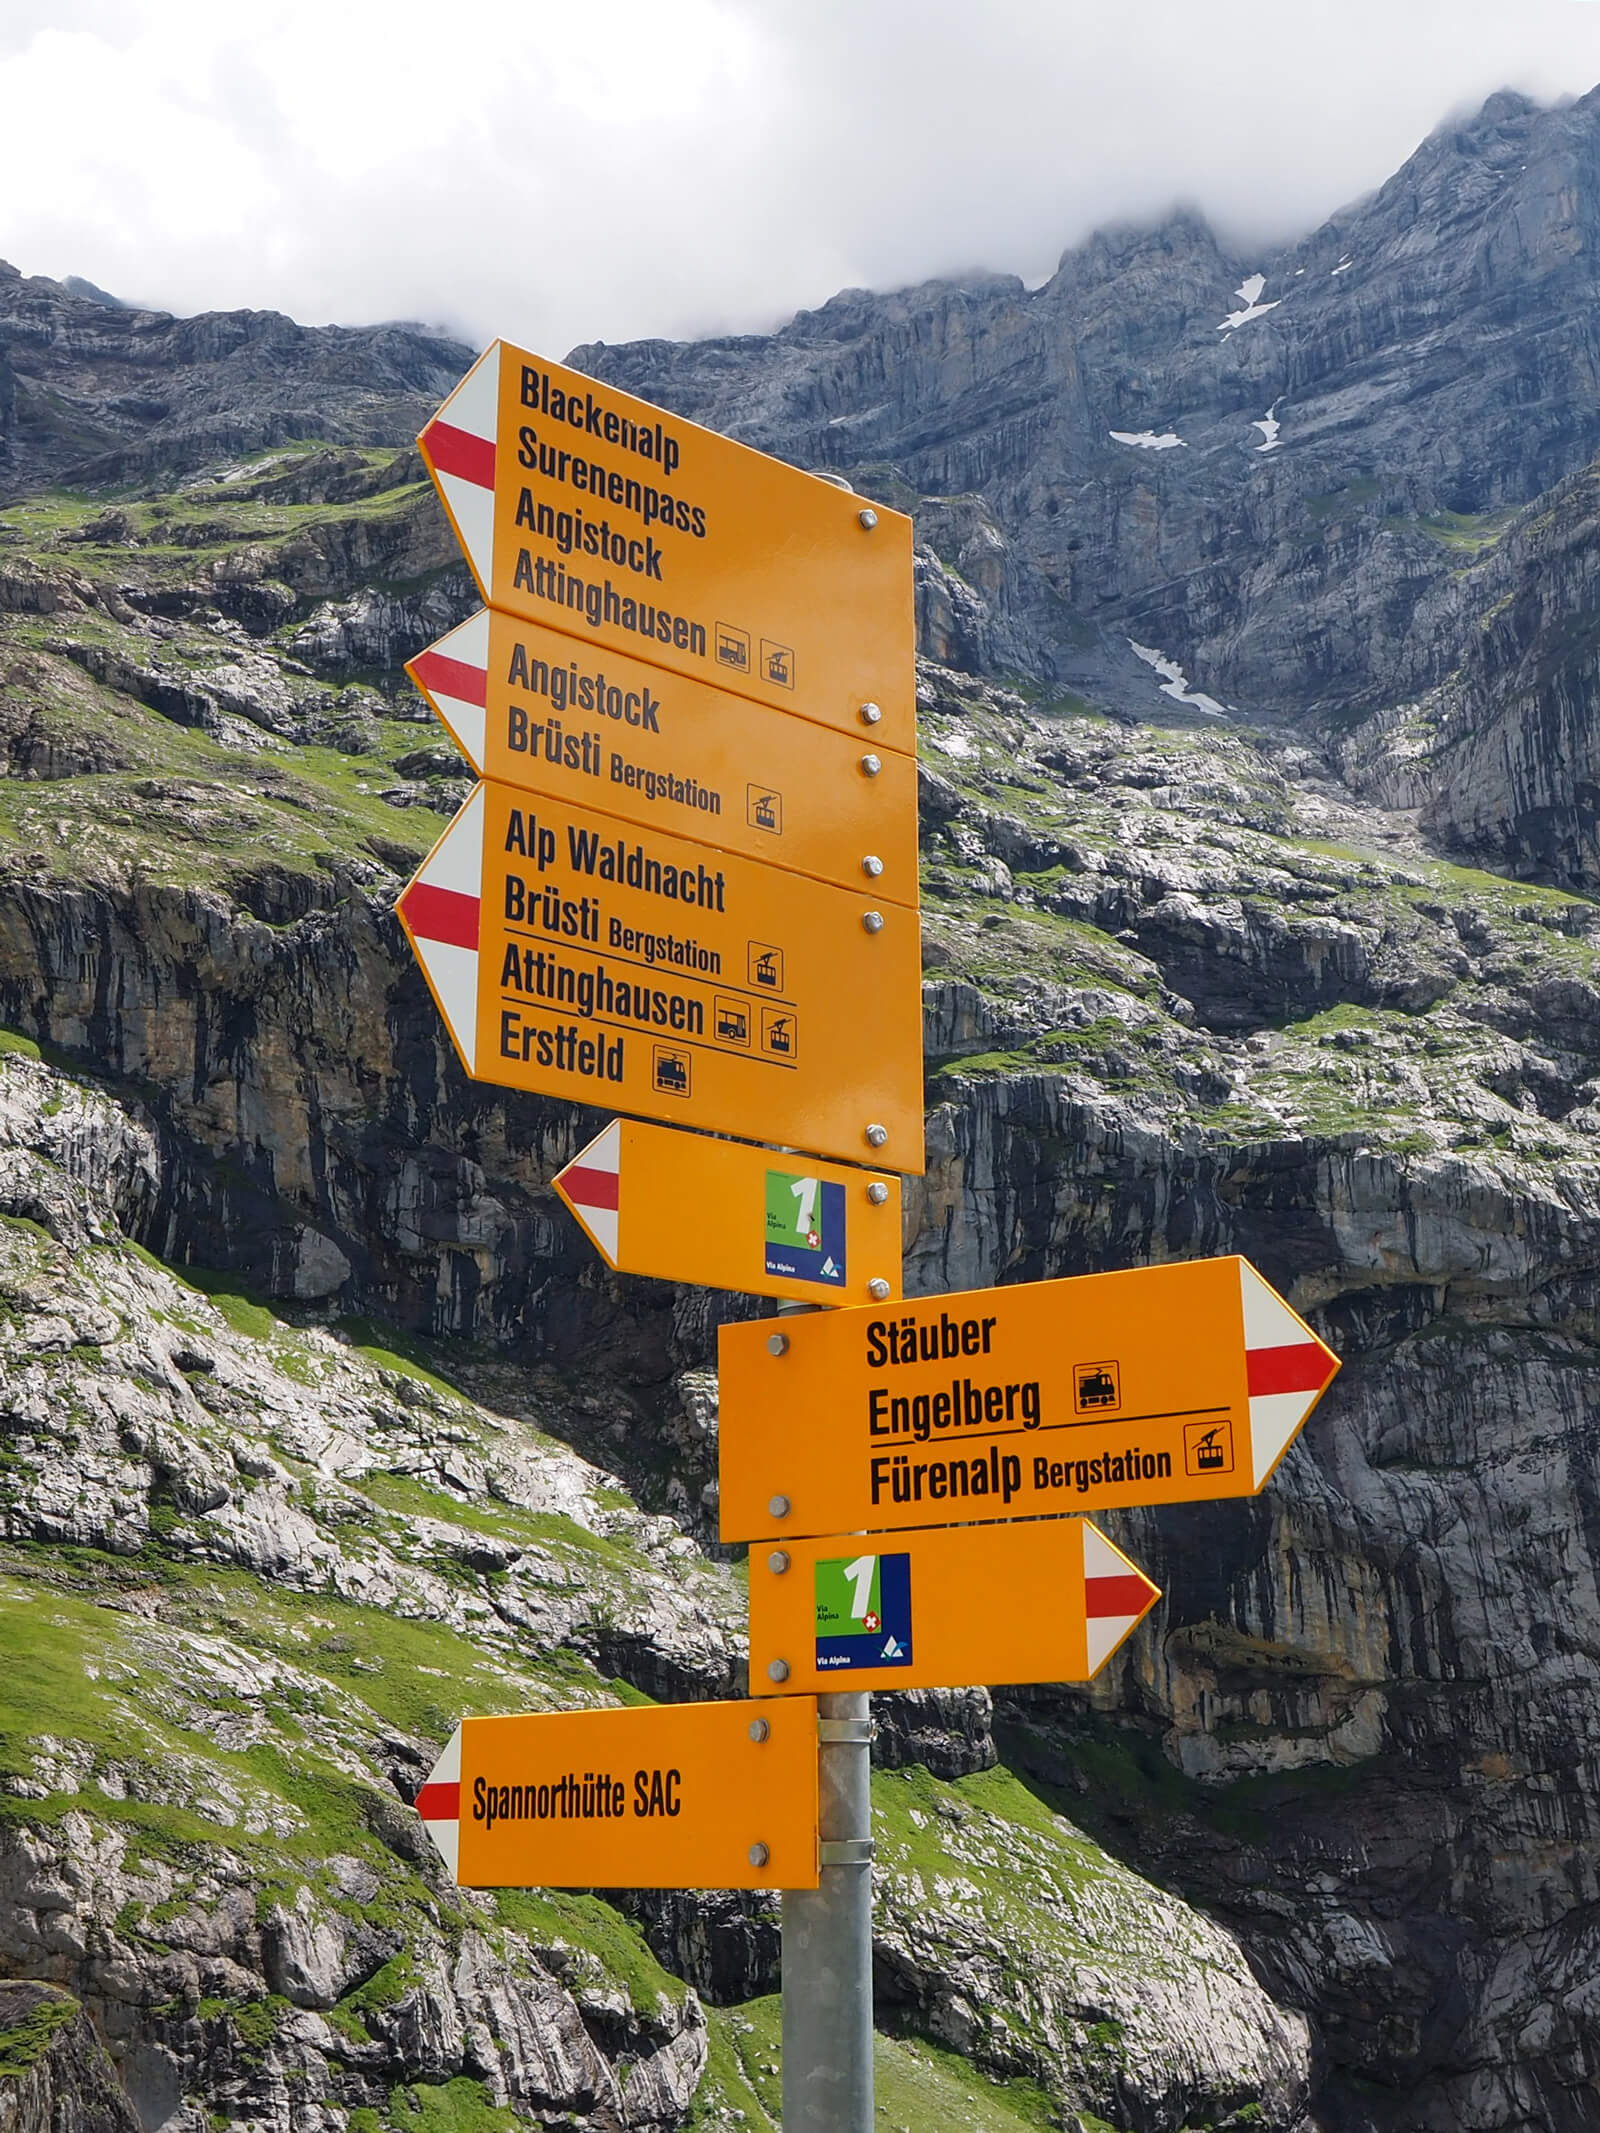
1289	475
1258	828
93	391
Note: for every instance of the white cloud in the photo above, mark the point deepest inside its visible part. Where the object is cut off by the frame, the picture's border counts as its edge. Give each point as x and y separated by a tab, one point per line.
677	166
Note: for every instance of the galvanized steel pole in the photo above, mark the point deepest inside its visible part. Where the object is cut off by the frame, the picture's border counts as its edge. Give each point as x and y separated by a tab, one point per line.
827	1941
827	1931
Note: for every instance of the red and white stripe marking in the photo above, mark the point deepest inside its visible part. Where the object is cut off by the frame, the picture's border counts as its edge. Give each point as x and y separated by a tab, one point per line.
439	908
460	447
1286	1369
439	1804
1116	1596
591	1185
454	676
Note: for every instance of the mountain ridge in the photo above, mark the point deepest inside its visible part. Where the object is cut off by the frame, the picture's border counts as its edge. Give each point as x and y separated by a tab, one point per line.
1375	371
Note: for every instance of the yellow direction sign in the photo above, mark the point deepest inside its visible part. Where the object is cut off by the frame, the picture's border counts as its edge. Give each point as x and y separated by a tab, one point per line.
546	713
1047	1600
685	1796
576	957
1168	1384
723	1215
582	508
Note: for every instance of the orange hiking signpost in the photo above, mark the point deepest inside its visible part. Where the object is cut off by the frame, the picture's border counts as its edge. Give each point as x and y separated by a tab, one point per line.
727	1216
634	530
1170	1384
673	1796
543	712
574	957
1049	1600
685	887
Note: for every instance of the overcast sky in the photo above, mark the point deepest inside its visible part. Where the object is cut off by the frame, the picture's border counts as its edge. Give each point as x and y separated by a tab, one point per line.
614	168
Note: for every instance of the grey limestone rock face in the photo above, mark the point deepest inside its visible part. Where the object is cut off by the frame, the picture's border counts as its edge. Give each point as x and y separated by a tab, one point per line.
946	1731
1510	759
249	1578
1277	472
1184	994
112	394
55	2076
1369	1680
1151	2006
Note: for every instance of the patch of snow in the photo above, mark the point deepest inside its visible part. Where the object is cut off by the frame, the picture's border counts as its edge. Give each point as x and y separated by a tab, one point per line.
1344	266
857	420
1269	426
1249	294
956	744
247	470
1174	682
1147	439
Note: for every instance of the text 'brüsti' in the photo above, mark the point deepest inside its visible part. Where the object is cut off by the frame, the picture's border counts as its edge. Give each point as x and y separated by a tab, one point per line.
533	904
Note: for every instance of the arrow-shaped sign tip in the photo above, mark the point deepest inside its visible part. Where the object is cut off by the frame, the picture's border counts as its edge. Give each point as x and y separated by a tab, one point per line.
454	676
439	908
1116	1594
591	1185
1287	1370
439	1804
458	446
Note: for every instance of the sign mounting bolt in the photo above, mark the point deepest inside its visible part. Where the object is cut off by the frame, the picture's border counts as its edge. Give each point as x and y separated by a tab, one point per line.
878	1289
870	714
778	1562
876	1136
871	765
777	1669
872	866
873	921
759	1729
777	1344
778	1507
868	519
877	1192
759	1855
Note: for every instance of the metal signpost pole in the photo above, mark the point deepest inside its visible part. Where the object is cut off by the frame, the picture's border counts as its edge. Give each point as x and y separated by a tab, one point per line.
827	1940
827	1931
